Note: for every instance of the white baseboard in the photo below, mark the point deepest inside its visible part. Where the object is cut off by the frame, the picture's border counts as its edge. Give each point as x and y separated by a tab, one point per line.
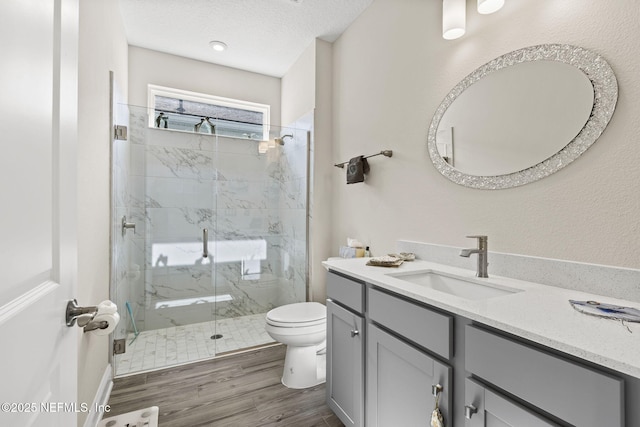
101	398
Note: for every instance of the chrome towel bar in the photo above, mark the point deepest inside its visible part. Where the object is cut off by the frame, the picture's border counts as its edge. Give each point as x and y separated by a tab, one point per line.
386	153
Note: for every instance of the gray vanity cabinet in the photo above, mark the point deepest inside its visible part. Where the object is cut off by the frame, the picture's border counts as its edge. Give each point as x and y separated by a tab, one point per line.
486	408
492	379
345	349
399	382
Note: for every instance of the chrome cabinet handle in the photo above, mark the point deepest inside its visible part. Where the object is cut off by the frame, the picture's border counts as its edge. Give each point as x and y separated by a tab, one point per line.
469	410
205	243
354	332
436	390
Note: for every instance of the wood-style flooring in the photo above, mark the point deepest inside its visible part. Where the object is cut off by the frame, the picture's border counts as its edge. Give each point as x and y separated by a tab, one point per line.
239	390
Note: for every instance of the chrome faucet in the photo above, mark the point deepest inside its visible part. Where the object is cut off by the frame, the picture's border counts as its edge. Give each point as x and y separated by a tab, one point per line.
481	250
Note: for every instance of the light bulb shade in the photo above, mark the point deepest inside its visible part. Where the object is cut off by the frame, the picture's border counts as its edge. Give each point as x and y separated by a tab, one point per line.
453	18
486	7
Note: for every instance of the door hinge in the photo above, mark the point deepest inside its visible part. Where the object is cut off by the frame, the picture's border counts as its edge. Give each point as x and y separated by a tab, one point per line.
119	346
120	132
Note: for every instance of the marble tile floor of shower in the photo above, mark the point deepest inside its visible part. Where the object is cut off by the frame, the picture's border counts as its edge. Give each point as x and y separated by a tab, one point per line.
160	348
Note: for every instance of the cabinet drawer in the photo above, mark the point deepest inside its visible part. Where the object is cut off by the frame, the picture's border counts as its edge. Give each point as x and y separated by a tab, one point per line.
572	392
425	327
346	291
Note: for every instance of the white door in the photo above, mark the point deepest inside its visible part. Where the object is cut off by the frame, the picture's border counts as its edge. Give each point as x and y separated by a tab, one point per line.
38	124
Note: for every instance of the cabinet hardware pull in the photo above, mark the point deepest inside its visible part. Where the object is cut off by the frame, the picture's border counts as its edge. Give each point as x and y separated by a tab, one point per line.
469	410
354	332
436	389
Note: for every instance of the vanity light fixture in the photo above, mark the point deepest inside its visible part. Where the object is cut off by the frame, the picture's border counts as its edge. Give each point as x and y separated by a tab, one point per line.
453	18
218	46
486	7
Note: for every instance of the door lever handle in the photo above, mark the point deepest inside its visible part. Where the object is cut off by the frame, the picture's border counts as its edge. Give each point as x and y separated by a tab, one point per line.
82	314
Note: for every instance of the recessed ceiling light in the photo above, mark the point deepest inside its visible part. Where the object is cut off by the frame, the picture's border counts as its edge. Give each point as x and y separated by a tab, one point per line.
218	46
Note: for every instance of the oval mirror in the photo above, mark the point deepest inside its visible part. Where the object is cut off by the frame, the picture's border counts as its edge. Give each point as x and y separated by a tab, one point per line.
522	116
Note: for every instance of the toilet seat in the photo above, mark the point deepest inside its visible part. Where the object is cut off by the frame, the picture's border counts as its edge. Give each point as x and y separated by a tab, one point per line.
298	315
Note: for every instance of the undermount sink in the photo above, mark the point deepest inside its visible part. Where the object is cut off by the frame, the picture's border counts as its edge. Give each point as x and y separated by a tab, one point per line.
469	288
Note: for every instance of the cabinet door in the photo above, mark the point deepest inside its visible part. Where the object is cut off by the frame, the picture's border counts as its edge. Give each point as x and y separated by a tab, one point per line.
399	382
485	408
345	364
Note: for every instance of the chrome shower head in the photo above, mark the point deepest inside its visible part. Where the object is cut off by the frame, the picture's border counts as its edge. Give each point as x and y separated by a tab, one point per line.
281	139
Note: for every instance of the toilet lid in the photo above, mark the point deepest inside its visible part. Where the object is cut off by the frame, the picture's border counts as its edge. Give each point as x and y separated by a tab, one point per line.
301	312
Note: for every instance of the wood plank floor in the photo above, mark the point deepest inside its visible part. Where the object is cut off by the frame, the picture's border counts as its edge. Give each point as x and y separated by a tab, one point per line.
238	390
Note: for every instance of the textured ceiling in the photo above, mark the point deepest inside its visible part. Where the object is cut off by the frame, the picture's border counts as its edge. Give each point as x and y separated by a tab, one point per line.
264	36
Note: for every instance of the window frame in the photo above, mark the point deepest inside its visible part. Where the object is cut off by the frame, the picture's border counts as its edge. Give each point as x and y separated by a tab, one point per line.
155	90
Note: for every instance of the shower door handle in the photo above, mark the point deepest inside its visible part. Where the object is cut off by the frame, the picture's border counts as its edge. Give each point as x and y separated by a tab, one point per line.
205	243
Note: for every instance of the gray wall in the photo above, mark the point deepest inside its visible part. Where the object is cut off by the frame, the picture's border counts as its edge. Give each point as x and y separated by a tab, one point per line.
392	68
151	67
102	48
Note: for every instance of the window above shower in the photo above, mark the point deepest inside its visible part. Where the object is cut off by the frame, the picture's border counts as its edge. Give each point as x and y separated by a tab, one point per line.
185	111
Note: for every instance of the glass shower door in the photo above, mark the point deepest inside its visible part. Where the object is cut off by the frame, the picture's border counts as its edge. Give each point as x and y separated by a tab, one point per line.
260	248
179	203
170	286
240	201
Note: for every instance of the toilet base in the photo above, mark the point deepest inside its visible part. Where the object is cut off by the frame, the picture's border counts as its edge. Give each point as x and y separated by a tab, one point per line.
303	368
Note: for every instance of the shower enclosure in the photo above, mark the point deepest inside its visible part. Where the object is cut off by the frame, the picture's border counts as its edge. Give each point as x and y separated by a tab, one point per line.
209	232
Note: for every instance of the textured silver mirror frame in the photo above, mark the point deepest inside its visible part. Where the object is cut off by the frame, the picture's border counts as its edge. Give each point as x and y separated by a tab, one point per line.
605	87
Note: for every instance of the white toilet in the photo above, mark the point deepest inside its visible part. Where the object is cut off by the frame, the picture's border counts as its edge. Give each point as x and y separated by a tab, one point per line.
303	328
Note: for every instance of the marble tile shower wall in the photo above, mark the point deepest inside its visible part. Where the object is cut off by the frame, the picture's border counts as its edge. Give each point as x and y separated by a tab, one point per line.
254	206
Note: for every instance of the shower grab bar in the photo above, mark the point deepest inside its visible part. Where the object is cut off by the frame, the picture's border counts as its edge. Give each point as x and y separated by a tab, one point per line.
205	243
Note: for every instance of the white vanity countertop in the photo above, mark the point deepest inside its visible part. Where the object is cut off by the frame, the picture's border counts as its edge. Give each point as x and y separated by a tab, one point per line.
541	313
